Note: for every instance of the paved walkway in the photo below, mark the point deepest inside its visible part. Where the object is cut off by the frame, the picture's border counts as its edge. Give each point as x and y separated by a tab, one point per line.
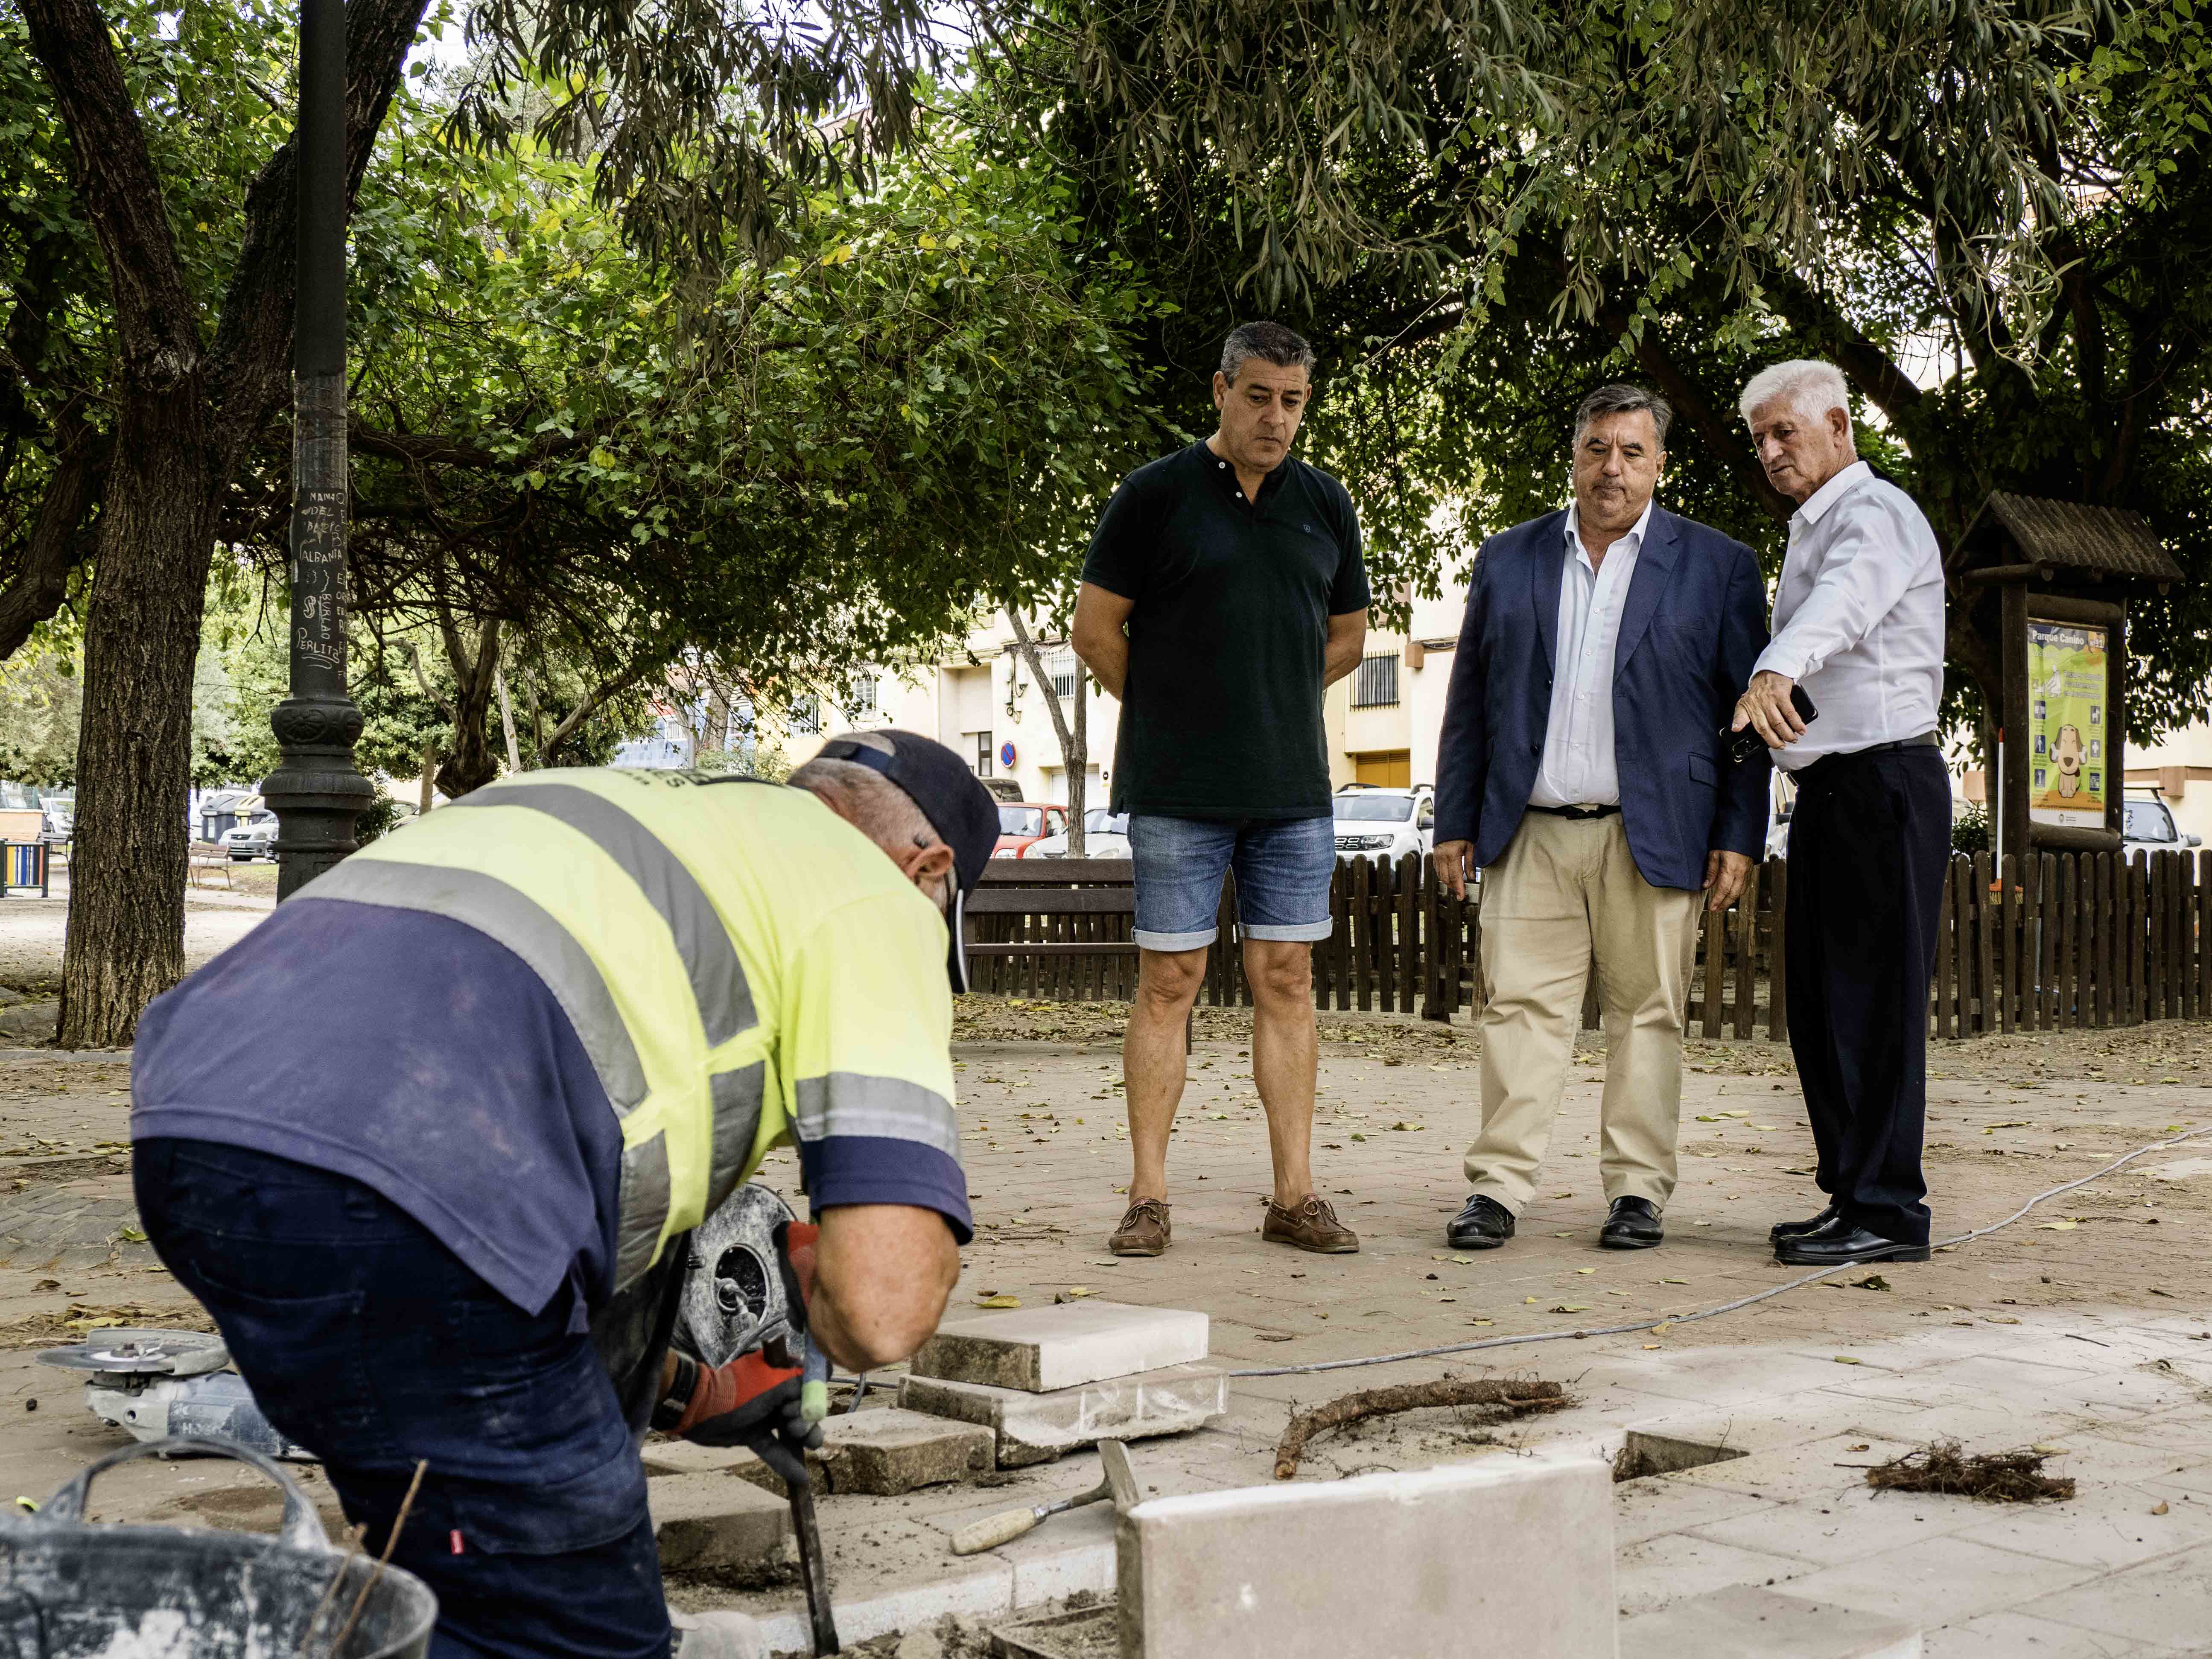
2088	1326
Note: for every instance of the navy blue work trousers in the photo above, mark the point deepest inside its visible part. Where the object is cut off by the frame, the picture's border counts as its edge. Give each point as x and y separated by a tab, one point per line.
1869	843
369	1342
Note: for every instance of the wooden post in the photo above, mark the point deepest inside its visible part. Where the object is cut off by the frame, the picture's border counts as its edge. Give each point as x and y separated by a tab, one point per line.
1410	869
1985	949
1946	970
1747	960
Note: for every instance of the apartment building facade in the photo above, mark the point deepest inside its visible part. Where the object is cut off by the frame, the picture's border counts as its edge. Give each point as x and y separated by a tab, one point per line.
981	701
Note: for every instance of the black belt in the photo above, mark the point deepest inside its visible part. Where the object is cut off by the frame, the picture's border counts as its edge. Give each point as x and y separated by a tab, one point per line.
1576	811
1925	740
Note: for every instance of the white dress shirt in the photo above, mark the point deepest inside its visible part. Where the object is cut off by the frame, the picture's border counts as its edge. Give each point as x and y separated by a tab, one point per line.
1578	767
1858	617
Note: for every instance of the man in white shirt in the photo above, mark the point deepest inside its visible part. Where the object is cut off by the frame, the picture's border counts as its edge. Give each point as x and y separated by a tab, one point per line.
1579	767
1858	622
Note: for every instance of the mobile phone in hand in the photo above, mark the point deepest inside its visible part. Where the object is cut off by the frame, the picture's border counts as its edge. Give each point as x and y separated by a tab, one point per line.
1742	745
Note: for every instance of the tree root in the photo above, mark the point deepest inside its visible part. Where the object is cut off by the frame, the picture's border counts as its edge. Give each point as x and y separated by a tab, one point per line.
1506	1399
2014	1477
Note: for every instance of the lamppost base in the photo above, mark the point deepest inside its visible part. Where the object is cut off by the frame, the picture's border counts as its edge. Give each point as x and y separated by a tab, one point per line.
317	792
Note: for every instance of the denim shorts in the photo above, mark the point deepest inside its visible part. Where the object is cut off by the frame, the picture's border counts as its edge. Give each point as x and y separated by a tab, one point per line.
1283	866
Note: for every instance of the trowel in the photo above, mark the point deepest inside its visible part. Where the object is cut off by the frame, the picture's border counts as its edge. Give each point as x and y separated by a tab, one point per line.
1120	1485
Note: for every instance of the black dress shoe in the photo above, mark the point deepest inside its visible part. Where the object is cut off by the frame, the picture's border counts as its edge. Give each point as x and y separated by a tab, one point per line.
1632	1224
1783	1230
1844	1243
1484	1224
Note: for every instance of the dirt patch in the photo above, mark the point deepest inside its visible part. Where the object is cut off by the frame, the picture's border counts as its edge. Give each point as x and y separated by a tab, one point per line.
2011	1477
1495	1400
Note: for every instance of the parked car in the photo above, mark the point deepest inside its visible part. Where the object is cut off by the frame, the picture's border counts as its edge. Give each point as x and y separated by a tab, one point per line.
1384	824
1023	823
1105	836
256	838
2147	826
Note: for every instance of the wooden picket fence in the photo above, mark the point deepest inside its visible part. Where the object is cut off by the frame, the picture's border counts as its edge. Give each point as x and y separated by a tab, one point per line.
2052	942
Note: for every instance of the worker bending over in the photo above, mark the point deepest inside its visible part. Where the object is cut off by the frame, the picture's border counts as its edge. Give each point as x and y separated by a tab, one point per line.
427	1142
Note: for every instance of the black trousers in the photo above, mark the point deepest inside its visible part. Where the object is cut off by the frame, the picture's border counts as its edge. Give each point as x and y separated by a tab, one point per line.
1869	843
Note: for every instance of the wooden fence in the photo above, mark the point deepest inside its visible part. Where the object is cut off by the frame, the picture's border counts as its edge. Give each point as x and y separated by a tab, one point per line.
2052	942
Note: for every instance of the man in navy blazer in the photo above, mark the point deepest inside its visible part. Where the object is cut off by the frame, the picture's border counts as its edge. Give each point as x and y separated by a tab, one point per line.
1582	771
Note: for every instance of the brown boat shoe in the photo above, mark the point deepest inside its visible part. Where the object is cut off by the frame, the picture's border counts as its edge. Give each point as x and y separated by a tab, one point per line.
1312	1226
1143	1231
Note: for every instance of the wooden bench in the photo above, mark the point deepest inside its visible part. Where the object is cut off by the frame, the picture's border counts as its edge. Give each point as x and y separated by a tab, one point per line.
206	855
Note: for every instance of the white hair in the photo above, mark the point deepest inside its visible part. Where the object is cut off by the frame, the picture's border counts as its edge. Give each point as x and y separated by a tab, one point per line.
1809	385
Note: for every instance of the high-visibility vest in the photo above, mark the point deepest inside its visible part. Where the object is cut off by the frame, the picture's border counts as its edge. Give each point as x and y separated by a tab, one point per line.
615	888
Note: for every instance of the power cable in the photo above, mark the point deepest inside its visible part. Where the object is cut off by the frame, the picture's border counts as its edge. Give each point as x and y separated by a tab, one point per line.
1705	1313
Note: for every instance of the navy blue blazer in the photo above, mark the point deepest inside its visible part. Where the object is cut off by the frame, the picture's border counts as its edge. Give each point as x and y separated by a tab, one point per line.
1694	624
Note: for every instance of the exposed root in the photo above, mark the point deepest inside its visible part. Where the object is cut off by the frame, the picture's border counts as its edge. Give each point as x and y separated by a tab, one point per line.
1634	1463
1503	1399
2013	1477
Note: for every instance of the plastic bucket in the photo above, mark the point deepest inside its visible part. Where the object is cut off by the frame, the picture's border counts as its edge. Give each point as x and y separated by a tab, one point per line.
70	1590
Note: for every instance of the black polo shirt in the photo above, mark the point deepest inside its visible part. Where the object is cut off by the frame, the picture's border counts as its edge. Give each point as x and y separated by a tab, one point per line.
1221	716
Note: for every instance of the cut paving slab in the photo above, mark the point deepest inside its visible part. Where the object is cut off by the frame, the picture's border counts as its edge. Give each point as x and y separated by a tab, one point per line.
1036	1428
1513	1555
883	1454
704	1522
1062	1346
1746	1622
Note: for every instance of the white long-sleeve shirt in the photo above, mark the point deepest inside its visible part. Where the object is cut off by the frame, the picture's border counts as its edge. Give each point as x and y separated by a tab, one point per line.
1578	769
1858	617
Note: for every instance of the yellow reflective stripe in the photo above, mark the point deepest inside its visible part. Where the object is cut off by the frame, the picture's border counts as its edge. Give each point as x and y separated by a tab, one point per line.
718	982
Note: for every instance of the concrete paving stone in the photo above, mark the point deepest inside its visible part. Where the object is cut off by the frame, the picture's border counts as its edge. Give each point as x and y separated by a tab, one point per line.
1746	1623
2107	1525
1266	1569
2187	1432
1939	1580
708	1522
666	1457
970	1587
2013	1636
1035	1428
887	1452
1066	1554
1846	1525
1645	1509
2168	1601
1793	1473
1661	1571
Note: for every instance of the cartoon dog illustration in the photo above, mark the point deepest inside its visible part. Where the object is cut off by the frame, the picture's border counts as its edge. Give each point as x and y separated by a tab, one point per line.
2067	752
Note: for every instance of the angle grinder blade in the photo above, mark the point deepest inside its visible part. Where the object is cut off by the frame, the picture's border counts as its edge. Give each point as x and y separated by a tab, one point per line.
124	1352
733	1299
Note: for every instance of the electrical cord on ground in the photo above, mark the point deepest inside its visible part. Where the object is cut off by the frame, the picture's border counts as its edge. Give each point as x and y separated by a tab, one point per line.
1704	1313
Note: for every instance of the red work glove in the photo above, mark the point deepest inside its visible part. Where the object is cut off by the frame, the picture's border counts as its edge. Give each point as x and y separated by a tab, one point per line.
799	1242
745	1390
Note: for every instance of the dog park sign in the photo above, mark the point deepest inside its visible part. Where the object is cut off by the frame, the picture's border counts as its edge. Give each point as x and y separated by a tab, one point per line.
2059	575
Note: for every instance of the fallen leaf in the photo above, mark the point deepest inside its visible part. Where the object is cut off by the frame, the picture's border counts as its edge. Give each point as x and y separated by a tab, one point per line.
1273	1336
2060	1226
2159	1508
1766	1128
2155	1291
998	1302
2002	1319
1571	1307
132	1235
1862	1446
1409	1126
1567	1194
2050	1451
1527	1299
1674	1281
1871	1282
1845	1360
1585	1270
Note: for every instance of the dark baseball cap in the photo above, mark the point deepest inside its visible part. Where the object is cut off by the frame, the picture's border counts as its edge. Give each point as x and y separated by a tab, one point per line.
958	807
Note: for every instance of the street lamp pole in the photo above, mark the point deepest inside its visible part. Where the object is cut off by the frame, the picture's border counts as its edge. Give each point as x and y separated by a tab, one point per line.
316	790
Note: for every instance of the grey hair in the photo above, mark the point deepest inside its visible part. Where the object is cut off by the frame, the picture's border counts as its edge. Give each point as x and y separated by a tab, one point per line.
1283	347
1621	399
878	808
1807	384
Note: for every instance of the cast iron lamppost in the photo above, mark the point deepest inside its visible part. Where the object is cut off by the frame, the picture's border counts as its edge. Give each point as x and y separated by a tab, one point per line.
316	790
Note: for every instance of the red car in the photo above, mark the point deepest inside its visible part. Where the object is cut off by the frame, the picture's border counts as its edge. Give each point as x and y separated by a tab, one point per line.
1023	823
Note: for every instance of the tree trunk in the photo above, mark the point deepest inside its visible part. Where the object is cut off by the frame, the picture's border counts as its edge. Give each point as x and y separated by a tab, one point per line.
1072	748
507	720
1079	762
126	939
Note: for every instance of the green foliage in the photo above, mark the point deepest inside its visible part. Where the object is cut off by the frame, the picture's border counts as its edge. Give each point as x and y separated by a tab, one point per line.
1970	832
41	697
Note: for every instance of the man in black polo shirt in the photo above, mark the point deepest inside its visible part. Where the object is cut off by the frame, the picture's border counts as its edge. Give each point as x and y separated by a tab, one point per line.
1222	592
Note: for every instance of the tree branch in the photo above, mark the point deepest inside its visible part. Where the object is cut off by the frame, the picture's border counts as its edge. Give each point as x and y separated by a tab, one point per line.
35	588
1873	370
595	700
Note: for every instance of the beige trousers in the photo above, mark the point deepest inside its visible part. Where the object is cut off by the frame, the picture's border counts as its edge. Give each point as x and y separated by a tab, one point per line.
1565	890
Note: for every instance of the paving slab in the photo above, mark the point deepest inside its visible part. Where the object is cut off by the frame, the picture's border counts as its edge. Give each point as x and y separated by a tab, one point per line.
1036	1428
883	1453
2167	1602
2015	1636
1746	1623
710	1522
1939	1580
1661	1571
1273	1569
1061	1346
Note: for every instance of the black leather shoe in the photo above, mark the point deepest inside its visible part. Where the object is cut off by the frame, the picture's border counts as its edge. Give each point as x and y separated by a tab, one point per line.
1783	1230
1844	1243
1484	1224
1632	1224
